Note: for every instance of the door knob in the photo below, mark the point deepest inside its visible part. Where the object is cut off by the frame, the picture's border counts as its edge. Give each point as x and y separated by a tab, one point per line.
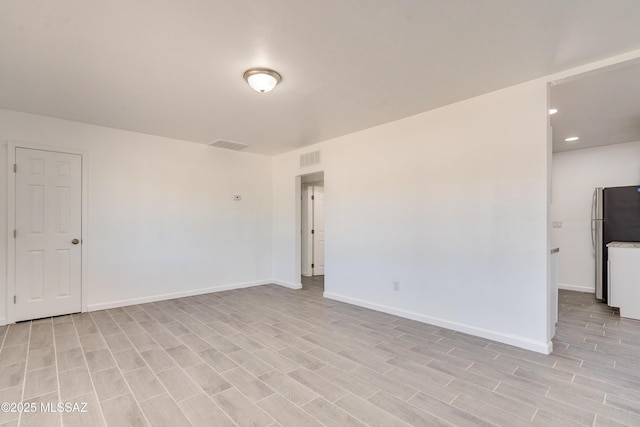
75	241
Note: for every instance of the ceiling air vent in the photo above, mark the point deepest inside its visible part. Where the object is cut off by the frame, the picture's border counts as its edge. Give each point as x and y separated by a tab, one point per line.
310	159
221	143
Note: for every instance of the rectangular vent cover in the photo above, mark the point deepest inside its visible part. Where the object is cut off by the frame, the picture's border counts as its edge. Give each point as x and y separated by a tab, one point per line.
310	159
221	143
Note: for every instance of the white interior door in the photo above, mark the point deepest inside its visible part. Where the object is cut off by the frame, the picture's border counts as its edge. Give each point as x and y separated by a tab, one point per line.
318	231
306	255
48	233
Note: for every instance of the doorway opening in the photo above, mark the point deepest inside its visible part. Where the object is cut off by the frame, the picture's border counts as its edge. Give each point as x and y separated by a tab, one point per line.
312	265
586	154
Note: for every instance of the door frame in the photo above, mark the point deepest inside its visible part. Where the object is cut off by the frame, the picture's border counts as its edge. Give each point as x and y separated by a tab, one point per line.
11	219
300	180
308	253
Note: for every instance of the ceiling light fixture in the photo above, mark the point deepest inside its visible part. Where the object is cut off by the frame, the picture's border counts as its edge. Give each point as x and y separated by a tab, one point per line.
572	138
552	111
262	80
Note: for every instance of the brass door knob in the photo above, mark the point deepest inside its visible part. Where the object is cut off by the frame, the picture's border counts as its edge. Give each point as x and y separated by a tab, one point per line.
75	241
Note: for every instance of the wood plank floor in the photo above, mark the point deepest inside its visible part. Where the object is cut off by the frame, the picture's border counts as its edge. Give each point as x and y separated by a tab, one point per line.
273	356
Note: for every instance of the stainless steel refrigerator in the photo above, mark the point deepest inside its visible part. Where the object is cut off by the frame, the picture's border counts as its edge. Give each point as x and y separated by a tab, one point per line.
615	217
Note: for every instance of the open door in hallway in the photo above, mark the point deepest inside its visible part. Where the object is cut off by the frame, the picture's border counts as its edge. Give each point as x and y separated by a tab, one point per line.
318	230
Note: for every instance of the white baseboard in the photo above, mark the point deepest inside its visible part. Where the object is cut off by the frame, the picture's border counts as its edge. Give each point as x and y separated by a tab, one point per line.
287	284
163	297
576	288
518	341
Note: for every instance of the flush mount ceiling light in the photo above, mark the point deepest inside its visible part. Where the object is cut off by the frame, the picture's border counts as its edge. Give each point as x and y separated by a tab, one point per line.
572	138
262	79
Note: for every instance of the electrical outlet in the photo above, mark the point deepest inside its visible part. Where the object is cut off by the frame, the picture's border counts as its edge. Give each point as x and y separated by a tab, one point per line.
396	286
557	224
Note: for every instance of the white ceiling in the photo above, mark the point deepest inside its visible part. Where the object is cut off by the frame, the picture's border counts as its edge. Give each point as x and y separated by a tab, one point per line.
174	68
601	107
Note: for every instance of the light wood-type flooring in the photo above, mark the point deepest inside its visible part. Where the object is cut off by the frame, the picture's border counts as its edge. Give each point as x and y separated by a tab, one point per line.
270	356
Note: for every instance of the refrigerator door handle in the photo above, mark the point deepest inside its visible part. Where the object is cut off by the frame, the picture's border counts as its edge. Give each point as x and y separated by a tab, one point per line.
593	220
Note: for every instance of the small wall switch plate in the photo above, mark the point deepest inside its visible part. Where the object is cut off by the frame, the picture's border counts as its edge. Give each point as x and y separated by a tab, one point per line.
557	224
237	197
396	286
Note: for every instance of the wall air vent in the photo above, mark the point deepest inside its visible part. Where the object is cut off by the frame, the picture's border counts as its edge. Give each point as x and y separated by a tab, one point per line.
310	159
221	143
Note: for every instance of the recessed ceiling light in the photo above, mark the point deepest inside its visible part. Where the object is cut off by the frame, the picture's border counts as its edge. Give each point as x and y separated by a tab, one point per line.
572	138
262	80
552	111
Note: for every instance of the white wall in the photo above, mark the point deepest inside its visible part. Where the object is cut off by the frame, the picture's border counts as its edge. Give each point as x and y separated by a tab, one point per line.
161	214
452	203
574	176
